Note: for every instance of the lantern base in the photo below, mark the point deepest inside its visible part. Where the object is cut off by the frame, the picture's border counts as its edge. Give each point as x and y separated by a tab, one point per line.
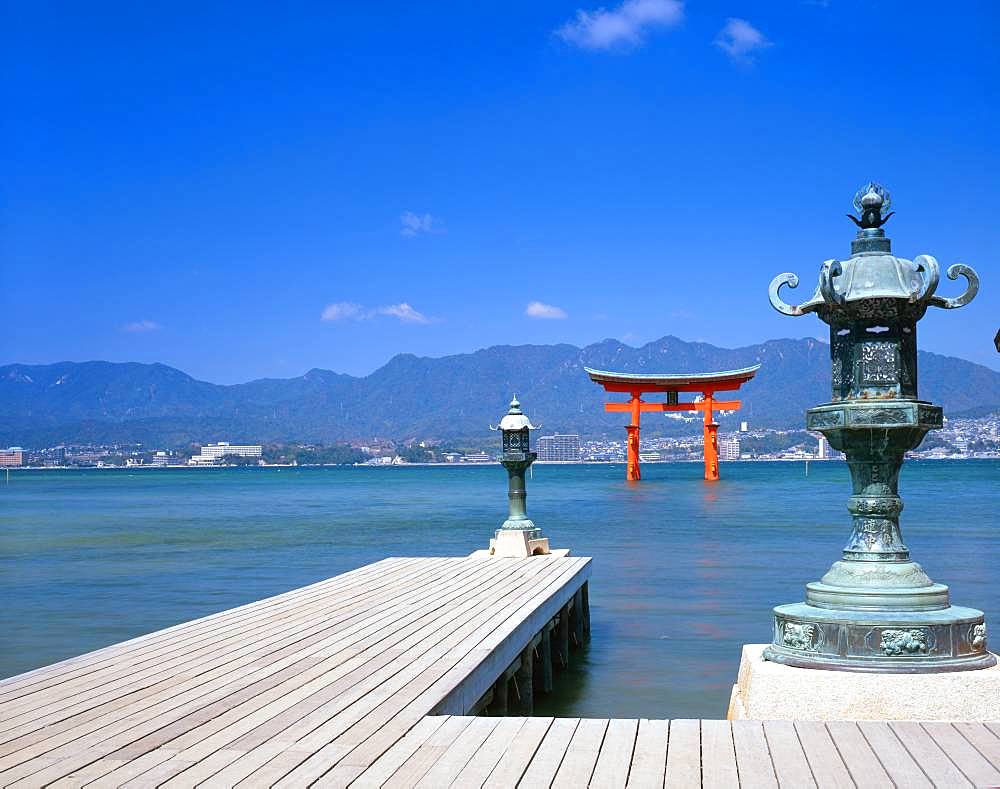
879	641
765	690
519	543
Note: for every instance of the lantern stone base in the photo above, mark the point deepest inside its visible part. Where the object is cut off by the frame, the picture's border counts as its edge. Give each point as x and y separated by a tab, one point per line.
766	690
519	544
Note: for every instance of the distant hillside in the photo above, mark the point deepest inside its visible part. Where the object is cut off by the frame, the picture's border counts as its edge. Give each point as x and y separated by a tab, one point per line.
454	397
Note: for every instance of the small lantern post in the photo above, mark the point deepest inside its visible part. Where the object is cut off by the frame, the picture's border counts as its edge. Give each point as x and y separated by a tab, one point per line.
518	537
876	610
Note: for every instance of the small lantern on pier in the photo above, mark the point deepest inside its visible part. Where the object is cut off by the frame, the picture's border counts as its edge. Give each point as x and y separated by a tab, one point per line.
518	537
875	609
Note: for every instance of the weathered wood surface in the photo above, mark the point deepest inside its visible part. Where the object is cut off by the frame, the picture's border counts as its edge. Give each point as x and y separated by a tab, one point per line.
543	752
312	685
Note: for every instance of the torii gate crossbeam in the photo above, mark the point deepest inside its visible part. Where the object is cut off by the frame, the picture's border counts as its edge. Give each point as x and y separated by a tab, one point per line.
635	385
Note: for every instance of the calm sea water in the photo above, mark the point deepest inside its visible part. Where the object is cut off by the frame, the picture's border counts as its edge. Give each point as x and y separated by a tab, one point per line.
685	572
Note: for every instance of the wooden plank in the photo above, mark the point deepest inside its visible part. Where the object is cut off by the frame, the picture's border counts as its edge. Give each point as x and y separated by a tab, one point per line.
581	756
925	752
313	622
170	694
893	757
373	730
615	757
827	767
13	687
485	760
179	651
649	759
753	758
683	755
519	753
718	756
864	766
175	761
446	769
984	740
348	688
963	755
417	765
186	634
545	763
789	761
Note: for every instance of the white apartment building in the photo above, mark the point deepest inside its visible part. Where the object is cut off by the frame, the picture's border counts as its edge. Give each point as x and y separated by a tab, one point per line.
562	447
213	453
729	448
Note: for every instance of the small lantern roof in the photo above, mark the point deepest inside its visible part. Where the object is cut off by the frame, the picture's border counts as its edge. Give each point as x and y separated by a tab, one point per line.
515	418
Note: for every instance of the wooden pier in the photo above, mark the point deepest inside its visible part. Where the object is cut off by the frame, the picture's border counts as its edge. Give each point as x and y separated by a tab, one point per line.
314	684
376	677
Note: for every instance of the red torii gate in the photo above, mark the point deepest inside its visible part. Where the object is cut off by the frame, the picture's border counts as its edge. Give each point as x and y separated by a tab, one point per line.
708	384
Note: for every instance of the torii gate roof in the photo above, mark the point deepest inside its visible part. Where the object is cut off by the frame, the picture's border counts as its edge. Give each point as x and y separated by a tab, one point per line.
671	380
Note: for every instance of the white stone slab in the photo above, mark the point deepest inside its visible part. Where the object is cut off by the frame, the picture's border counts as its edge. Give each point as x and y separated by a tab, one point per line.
771	691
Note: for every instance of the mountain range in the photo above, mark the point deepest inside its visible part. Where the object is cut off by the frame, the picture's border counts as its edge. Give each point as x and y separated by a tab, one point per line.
445	399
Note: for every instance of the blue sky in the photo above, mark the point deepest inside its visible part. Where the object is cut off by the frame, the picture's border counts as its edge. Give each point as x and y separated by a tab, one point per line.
253	190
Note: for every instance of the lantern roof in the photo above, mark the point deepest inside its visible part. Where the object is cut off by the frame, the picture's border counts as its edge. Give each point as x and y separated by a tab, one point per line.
871	272
515	418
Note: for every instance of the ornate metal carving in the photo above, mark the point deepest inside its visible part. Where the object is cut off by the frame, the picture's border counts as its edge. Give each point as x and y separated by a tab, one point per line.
977	636
818	419
879	416
799	635
904	642
878	363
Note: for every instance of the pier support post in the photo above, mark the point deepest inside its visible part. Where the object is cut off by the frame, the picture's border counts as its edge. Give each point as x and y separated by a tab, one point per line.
562	642
578	617
525	682
586	610
545	653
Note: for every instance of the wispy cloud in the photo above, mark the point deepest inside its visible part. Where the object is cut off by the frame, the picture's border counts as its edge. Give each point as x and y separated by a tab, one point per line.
412	224
349	311
342	310
141	326
741	40
623	27
537	309
403	312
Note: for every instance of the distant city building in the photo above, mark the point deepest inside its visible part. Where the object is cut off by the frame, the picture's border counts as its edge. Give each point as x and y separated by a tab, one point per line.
477	457
650	457
11	457
822	450
563	447
729	448
213	453
159	459
743	427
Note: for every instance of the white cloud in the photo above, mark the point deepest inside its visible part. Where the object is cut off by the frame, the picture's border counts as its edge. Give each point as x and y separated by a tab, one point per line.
141	326
342	310
412	224
346	310
741	40
537	309
404	312
623	27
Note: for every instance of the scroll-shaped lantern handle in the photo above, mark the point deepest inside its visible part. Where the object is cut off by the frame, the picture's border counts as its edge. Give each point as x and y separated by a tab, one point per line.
827	272
791	281
971	288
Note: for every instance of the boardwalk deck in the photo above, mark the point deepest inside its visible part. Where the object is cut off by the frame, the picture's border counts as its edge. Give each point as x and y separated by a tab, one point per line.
630	754
317	683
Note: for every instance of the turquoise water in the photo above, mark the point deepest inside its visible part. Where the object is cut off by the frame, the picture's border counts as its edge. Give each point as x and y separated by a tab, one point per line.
685	572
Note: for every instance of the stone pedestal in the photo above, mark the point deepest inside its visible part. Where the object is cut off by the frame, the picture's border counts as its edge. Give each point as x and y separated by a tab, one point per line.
519	543
766	690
